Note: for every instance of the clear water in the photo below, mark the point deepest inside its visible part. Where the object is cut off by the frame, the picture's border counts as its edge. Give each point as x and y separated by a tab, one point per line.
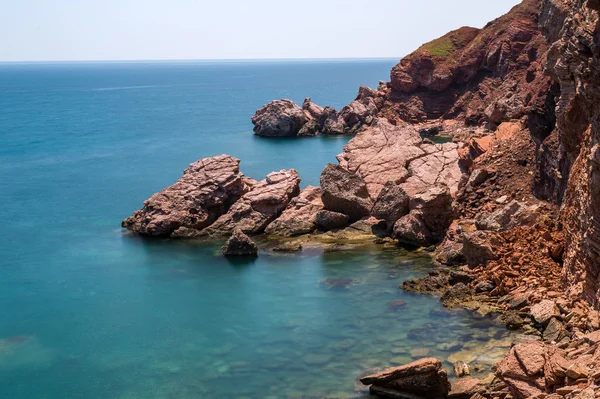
89	312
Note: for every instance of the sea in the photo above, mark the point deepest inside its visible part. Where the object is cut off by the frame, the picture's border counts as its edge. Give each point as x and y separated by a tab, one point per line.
89	311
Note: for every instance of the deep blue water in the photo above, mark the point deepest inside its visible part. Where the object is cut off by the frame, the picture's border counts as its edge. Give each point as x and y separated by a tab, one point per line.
89	312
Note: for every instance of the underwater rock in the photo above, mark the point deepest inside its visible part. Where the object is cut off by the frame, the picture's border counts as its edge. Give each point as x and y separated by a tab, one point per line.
337	282
461	368
288	247
239	244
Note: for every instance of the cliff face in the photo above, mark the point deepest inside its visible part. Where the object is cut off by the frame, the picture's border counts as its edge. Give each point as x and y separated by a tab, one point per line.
477	75
571	161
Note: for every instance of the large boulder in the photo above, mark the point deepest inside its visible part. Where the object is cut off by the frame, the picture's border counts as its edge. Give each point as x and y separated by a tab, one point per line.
423	378
391	204
205	191
253	212
345	192
300	216
329	220
511	215
239	244
279	118
383	152
478	248
411	230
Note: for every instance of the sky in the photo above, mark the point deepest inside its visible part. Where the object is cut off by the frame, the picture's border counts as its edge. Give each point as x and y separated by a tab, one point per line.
86	30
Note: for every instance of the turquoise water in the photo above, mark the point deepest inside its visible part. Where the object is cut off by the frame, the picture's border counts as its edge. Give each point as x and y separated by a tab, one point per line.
90	312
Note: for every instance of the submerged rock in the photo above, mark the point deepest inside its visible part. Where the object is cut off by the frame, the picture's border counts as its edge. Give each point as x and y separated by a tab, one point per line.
206	190
239	244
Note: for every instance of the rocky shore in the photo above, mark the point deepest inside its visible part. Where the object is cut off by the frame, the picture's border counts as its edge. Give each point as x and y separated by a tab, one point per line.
509	205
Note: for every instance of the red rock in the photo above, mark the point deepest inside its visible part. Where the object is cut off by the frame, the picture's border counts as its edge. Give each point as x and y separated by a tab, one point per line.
345	192
299	217
542	312
239	244
279	118
206	190
465	388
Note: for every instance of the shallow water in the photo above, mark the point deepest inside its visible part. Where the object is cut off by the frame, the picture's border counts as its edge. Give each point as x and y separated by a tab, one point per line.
91	312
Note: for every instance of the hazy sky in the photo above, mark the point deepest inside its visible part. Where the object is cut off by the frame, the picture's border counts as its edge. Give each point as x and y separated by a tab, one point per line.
32	30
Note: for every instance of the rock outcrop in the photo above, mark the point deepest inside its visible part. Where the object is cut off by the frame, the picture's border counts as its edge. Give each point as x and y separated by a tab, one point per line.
253	212
471	74
239	244
345	192
422	379
279	118
383	152
207	189
300	216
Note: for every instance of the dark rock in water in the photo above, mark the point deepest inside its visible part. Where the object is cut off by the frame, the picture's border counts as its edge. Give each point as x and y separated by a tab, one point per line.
435	283
337	282
279	118
456	294
206	190
239	244
424	378
330	220
398	304
345	192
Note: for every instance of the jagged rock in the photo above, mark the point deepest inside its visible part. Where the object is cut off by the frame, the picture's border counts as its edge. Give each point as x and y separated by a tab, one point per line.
554	331
456	295
365	92
256	209
391	204
477	248
450	251
206	190
411	230
300	216
345	192
279	118
466	388
329	220
423	378
435	207
545	310
239	244
478	176
382	152
358	113
511	215
312	110
331	123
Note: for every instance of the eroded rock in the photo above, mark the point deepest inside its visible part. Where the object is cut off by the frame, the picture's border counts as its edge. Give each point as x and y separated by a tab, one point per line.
345	192
206	190
239	244
279	118
300	216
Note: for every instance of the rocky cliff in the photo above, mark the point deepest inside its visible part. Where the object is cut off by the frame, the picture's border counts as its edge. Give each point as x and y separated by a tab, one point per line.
570	168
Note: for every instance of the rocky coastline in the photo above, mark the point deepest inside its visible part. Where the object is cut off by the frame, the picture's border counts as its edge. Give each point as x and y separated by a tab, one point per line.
509	206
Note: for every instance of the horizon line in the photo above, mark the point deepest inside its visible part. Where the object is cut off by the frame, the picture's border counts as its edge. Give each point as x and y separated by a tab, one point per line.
208	60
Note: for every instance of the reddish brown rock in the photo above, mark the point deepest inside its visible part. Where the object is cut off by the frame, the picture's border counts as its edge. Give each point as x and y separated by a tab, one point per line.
494	73
279	118
424	378
383	152
300	216
329	220
256	209
542	312
239	244
345	192
477	248
411	230
466	388
207	189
